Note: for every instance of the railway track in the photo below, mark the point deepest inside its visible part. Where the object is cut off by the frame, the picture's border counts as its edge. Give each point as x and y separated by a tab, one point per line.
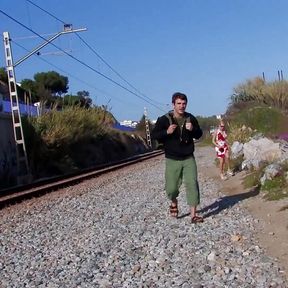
35	189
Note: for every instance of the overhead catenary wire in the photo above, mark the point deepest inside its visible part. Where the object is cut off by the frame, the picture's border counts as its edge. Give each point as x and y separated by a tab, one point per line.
28	13
119	75
81	62
66	72
106	94
70	75
96	53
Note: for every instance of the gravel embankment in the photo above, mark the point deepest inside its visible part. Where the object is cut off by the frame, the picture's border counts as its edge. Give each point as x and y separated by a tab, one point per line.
115	231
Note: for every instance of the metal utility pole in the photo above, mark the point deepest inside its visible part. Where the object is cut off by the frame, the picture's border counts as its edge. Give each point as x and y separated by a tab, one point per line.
148	137
23	171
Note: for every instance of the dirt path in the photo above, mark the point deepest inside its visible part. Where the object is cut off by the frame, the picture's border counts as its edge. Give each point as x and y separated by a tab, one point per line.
273	215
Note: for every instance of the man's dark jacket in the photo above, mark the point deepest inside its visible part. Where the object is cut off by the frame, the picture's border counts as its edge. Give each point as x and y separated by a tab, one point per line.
180	144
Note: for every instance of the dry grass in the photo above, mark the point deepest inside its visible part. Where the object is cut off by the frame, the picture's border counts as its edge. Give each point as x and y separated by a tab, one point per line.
75	138
273	94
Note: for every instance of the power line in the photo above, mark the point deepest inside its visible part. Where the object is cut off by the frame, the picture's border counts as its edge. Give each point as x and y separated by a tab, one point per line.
96	53
93	50
80	61
72	76
28	13
46	11
67	73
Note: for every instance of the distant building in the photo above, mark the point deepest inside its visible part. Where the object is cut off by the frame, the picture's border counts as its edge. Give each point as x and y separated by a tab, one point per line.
129	123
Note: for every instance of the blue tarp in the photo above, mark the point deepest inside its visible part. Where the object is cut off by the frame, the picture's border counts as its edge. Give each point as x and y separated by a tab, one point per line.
24	109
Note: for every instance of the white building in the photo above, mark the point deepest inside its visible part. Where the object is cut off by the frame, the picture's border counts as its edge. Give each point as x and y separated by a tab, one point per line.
129	123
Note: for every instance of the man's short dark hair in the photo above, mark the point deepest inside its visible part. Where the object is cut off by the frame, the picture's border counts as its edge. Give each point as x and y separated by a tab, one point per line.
179	95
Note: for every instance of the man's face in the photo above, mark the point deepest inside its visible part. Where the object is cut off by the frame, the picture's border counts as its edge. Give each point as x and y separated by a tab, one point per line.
179	106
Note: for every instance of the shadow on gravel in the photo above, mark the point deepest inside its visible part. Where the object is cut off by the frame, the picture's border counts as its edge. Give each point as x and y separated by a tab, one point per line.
183	215
227	202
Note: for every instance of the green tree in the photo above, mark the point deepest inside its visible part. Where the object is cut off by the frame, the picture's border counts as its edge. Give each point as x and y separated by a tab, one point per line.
78	100
71	100
53	82
30	86
83	93
85	100
206	123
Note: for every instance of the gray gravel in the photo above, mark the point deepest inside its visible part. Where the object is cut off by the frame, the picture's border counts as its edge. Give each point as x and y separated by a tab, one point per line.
115	231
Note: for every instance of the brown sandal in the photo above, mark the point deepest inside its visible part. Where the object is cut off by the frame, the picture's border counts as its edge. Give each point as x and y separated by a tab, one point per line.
174	210
197	219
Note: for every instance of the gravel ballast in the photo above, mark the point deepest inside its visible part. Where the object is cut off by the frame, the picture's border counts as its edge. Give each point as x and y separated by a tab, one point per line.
115	231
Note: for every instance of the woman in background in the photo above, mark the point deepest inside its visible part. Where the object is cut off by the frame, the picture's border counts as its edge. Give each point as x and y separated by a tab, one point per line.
222	150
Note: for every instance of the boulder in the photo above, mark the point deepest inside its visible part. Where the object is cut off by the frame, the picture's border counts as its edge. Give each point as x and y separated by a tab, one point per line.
236	150
262	149
271	171
249	164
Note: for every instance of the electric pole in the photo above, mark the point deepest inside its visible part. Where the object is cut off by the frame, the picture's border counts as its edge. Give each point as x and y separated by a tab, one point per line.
23	170
148	137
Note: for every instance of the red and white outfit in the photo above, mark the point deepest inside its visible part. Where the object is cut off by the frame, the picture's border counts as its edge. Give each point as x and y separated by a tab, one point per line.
220	140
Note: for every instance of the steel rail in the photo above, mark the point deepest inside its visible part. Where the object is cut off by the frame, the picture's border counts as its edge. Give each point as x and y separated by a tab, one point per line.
41	187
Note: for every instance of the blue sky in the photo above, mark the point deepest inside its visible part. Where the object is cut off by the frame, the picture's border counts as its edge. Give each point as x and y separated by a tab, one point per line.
201	48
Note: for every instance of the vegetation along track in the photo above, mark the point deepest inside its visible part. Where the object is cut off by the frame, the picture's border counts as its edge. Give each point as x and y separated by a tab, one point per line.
19	193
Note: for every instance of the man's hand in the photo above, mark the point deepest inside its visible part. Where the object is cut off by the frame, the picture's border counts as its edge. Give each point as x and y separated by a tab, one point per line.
189	126
171	128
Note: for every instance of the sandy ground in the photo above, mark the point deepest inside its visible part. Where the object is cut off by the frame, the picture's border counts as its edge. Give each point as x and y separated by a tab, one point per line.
273	215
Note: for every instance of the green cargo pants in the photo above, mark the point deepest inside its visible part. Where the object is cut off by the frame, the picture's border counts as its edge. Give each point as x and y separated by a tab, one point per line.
175	172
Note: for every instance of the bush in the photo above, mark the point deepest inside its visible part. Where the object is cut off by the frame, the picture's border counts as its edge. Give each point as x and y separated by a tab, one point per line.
275	189
274	94
239	133
73	139
252	179
268	121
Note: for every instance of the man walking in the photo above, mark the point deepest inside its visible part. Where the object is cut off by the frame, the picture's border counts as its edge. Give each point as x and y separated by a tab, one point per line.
176	130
